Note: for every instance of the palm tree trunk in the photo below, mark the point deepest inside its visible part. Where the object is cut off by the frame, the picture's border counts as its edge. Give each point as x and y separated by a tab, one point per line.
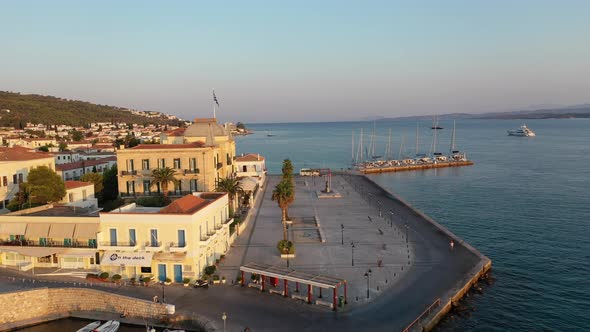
284	221
164	186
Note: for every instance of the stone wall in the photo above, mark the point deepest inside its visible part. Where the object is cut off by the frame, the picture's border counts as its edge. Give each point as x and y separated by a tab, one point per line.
44	304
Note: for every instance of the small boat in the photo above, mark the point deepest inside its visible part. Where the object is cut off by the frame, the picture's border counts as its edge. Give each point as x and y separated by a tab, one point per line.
90	327
110	326
269	134
436	127
523	131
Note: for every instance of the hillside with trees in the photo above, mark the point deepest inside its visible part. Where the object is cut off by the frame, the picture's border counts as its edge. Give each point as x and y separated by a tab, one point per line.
17	109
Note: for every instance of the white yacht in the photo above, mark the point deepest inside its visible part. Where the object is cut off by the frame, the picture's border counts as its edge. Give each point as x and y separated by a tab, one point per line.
523	131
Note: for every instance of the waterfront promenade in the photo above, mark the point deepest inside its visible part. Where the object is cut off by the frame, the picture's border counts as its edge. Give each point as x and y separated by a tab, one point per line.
397	296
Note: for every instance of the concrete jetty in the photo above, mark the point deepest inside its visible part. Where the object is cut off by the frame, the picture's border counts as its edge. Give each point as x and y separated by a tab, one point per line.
415	167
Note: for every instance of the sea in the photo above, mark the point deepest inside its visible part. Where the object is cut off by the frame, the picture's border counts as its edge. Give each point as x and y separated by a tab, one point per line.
525	204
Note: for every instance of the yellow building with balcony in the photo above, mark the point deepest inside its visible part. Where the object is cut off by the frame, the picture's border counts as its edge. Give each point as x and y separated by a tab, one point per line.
201	154
176	242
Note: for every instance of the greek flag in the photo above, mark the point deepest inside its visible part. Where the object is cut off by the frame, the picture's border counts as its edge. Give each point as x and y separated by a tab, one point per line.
215	98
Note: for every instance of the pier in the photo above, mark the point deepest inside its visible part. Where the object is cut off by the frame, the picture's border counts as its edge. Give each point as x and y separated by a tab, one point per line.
415	167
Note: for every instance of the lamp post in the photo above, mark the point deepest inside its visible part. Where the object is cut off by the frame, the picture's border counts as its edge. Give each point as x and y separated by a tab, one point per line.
286	251
368	276
352	248
380	204
406	225
391	219
224	317
163	295
342	229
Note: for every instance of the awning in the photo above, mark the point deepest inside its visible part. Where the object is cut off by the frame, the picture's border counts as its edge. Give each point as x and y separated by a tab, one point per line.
33	251
86	231
170	257
78	253
64	231
37	230
113	258
13	228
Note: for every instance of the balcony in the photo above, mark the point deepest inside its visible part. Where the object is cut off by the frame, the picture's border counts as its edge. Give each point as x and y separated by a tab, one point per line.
153	246
229	161
219	165
50	244
128	173
191	171
218	226
127	246
177	247
205	240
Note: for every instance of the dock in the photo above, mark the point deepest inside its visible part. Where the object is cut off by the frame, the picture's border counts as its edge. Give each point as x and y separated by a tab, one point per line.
415	167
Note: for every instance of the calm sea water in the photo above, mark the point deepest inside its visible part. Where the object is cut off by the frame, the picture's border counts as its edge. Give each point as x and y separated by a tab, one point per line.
525	204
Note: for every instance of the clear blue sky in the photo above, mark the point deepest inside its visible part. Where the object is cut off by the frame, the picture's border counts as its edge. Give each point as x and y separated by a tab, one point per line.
300	60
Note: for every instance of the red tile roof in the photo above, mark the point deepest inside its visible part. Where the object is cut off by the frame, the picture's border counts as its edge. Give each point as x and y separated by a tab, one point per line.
176	132
188	204
85	163
167	146
76	184
250	157
19	153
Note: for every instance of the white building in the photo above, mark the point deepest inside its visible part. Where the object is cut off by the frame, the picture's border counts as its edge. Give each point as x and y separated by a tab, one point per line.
251	165
80	194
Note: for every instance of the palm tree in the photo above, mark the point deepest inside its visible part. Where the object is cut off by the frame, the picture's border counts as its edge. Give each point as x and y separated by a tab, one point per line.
163	176
283	194
232	186
287	170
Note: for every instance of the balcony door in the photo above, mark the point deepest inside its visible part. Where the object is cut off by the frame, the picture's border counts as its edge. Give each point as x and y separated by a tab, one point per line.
132	237
181	238
154	237
113	233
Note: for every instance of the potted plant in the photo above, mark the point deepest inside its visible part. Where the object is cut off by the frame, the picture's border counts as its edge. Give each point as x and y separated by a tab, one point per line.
286	249
132	280
223	280
168	281
116	278
104	276
186	281
215	279
146	281
210	269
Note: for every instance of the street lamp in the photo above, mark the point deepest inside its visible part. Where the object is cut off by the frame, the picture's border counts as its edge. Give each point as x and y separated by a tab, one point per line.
163	295
368	275
224	317
406	225
342	229
391	219
352	248
379	204
286	251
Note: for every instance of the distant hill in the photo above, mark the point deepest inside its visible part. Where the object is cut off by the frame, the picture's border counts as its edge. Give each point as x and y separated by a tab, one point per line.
568	112
16	108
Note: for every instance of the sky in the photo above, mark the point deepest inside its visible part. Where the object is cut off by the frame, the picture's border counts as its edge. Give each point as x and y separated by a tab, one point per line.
299	61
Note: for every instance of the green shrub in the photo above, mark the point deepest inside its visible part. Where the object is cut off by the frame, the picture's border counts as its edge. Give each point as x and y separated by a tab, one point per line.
104	275
215	277
146	279
210	269
186	280
116	277
151	201
168	280
285	246
132	280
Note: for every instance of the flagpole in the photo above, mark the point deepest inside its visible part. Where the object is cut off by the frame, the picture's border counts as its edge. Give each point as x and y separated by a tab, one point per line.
214	108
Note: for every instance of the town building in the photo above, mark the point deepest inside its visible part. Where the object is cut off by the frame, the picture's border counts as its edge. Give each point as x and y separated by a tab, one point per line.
80	194
251	165
49	236
15	164
177	241
201	154
31	143
73	171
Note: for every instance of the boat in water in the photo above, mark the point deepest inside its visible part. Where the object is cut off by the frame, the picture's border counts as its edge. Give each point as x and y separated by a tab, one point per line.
523	131
110	326
90	327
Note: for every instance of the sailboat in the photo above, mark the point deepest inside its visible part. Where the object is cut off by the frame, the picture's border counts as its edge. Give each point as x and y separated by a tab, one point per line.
269	134
435	125
373	143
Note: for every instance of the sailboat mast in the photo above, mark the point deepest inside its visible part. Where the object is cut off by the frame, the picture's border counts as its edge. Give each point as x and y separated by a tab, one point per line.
417	135
360	150
388	152
453	138
401	147
352	149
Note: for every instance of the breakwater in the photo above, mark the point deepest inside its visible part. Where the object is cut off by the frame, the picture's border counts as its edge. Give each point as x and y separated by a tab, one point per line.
442	305
403	168
35	306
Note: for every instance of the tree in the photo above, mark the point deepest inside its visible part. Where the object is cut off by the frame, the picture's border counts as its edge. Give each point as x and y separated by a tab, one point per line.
43	148
96	179
77	136
163	176
287	170
110	184
63	146
232	186
44	185
241	126
283	195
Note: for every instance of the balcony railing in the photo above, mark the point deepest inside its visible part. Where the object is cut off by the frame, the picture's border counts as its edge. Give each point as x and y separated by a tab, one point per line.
205	237
118	244
211	232
128	172
177	244
150	244
49	243
191	171
218	226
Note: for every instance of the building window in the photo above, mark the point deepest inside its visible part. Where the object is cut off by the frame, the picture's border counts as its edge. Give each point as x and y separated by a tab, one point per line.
177	163
146	186
181	238
178	187
154	237
113	234
145	164
131	187
193	185
83	195
14	179
132	237
161	163
71	197
146	269
5	180
130	165
193	164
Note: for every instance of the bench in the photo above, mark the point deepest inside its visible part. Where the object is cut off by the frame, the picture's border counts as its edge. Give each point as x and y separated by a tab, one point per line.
253	285
276	291
299	297
326	303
